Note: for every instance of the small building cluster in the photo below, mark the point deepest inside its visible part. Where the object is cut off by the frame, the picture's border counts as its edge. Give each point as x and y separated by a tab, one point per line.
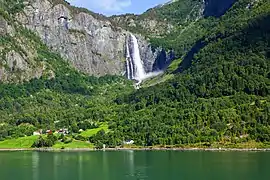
63	131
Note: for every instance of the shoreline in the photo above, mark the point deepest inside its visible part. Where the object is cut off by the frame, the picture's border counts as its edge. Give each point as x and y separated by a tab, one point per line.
137	149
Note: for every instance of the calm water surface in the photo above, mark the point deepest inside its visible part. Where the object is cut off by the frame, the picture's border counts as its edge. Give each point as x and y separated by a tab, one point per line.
135	165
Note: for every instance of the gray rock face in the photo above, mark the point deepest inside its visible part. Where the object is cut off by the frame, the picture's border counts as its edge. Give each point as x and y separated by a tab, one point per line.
17	56
15	68
147	54
149	26
94	46
3	26
15	61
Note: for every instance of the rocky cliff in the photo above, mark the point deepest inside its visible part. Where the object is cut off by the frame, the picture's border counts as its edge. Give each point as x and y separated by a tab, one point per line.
91	42
18	54
95	44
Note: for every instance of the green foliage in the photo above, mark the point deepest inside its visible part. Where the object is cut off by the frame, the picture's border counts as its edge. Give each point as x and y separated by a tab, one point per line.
64	98
12	6
73	144
210	29
91	132
22	142
41	142
217	92
178	13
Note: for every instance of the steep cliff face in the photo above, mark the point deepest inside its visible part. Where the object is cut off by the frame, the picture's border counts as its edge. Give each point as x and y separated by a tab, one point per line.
18	54
91	42
95	44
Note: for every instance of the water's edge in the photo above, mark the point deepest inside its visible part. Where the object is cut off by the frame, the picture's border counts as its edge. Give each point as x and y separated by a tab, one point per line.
139	149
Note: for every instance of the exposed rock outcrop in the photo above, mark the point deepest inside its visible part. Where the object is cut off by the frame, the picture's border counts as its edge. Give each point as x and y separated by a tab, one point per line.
18	55
3	26
93	45
145	25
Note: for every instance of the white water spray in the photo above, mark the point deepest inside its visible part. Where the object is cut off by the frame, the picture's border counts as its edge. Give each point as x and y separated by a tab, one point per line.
134	64
128	62
139	69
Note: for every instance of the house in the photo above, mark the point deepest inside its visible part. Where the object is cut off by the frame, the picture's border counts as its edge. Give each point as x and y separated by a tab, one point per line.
63	131
49	132
129	142
36	133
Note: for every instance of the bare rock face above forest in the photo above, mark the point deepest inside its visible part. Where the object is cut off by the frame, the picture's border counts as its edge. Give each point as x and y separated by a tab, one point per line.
17	56
91	42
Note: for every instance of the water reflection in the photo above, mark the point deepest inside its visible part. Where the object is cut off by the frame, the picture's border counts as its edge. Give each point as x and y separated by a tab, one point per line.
129	161
105	165
80	167
35	165
134	165
56	163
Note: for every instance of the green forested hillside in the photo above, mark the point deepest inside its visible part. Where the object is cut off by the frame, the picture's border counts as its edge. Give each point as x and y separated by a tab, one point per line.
160	20
218	93
61	98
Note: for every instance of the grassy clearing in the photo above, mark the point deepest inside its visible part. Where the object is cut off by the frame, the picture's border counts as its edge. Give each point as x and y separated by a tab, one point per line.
174	66
168	75
23	142
27	142
74	144
156	80
91	132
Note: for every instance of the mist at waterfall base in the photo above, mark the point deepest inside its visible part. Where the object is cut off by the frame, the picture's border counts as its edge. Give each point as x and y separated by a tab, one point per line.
134	64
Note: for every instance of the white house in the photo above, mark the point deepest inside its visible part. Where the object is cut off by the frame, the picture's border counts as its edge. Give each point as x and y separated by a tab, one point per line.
36	133
129	142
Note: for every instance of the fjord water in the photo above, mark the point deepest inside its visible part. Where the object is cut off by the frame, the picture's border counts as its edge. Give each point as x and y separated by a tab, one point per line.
134	165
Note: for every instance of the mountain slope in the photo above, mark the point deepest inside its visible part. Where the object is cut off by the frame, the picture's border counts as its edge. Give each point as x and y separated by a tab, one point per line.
162	19
218	97
188	41
38	88
216	93
92	43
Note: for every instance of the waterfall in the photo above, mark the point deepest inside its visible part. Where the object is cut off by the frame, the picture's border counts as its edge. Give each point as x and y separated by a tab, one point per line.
139	69
134	64
128	62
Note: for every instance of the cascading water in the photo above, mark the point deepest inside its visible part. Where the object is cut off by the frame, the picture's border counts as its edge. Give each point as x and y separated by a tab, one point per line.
139	69
134	64
129	72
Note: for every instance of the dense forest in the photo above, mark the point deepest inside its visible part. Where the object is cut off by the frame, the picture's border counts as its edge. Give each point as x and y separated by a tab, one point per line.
219	93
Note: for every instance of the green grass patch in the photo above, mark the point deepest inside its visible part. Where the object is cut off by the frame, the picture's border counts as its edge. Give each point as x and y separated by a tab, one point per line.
92	132
156	80
174	66
23	142
163	77
74	144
